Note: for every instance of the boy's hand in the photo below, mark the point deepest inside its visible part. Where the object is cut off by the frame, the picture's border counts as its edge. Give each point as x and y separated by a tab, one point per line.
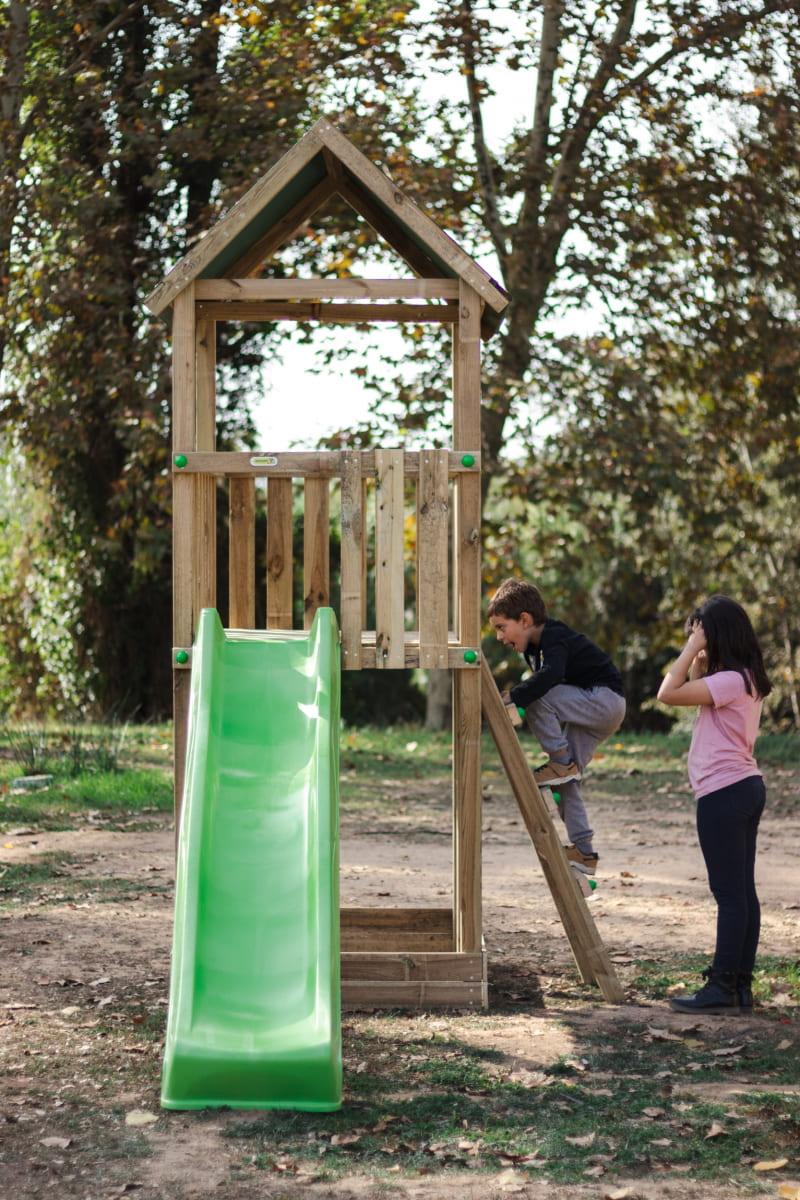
512	710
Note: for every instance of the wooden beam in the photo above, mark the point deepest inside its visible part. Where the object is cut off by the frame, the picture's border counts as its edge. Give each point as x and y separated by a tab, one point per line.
326	289
334	314
323	463
590	954
412	965
184	435
397	929
205	570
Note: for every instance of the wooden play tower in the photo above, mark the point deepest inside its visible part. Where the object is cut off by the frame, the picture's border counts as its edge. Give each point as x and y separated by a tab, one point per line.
390	956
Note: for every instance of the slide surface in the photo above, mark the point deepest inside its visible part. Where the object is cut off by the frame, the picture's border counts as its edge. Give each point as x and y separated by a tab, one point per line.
255	1010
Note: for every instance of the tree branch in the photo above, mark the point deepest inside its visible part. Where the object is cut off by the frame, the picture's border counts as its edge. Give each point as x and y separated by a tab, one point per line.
536	156
488	189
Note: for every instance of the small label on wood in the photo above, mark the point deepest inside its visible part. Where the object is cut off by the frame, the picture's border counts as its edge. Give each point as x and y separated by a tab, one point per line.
264	460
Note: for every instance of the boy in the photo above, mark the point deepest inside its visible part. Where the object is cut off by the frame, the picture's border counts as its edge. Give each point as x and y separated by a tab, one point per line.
573	700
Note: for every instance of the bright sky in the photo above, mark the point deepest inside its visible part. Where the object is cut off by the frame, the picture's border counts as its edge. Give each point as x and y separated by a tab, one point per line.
298	406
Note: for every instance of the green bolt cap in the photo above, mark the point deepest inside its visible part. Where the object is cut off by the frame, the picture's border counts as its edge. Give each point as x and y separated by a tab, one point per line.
180	460
470	656
556	797
468	460
181	657
592	884
521	711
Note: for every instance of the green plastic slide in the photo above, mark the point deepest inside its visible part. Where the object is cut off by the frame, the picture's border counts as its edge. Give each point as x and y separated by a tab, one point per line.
255	1005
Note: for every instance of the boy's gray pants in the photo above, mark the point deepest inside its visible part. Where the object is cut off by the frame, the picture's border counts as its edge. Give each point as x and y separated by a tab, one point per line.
573	721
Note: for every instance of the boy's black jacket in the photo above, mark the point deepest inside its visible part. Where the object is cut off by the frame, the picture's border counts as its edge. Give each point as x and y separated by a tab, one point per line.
564	656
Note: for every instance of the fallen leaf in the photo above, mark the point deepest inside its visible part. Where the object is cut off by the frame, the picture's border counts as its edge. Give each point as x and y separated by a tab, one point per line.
56	1143
586	1140
140	1116
727	1051
652	1113
662	1035
789	1191
770	1164
716	1130
595	1172
618	1194
345	1139
661	1142
784	1045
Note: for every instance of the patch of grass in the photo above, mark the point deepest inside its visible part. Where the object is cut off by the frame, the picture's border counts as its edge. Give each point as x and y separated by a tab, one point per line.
47	880
773	976
115	796
465	1115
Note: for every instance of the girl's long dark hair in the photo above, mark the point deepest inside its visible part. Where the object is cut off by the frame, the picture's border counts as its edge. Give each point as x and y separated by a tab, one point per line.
732	643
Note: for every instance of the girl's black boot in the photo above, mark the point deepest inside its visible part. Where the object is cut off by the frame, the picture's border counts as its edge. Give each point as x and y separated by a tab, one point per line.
718	995
744	990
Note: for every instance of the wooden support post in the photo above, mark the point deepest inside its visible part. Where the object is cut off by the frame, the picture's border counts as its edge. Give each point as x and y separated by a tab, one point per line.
242	553
205	571
389	582
316	548
183	514
590	954
467	807
353	534
280	554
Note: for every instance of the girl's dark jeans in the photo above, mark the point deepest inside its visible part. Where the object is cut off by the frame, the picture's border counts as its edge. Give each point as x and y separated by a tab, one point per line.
727	825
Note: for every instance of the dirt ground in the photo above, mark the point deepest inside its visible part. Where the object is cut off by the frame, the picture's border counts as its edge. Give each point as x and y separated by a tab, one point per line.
71	964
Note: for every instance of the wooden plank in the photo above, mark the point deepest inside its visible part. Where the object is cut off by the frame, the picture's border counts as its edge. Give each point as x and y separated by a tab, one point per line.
374	965
435	920
590	954
455	654
184	386
298	464
234	221
433	517
337	314
316	548
467	433
353	538
389	576
326	289
242	554
405	211
280	554
363	994
205	567
282	231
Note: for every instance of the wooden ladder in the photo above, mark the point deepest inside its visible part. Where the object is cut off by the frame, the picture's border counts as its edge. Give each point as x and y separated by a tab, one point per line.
590	954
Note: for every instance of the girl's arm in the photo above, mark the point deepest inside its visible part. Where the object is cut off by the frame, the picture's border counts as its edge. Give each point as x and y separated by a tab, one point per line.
674	688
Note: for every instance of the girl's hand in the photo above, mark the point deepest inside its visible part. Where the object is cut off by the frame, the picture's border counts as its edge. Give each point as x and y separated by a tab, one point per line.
697	641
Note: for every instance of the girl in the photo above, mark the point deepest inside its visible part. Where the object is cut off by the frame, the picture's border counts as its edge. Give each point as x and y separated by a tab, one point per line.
728	681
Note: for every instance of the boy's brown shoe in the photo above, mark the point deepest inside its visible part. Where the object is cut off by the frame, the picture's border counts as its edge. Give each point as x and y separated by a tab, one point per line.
584	862
553	773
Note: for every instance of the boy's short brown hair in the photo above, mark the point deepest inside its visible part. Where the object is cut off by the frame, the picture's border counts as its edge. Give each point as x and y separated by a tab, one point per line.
514	597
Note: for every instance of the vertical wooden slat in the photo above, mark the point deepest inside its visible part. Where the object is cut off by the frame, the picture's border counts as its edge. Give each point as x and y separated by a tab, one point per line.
467	684
183	439
242	552
280	556
316	548
352	559
433	512
389	590
205	568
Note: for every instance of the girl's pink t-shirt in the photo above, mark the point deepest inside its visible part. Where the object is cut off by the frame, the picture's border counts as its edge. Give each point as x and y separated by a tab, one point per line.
724	735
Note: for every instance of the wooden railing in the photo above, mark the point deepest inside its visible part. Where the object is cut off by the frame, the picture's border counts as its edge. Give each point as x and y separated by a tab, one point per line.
400	547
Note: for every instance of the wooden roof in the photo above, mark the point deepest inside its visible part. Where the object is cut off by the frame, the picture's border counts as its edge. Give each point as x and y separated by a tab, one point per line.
323	163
